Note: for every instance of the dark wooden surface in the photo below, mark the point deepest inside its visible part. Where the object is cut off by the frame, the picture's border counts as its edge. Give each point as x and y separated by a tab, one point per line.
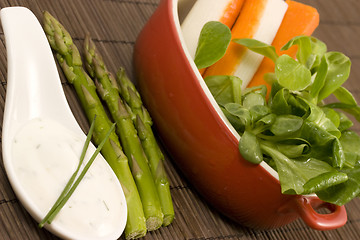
114	25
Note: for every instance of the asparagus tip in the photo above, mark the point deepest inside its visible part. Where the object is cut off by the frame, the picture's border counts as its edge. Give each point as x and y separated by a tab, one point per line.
135	167
123	113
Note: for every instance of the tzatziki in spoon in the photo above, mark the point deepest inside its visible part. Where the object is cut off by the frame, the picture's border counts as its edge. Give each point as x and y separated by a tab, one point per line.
42	141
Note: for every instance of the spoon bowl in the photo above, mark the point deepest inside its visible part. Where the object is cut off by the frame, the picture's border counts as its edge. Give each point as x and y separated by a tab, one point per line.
34	91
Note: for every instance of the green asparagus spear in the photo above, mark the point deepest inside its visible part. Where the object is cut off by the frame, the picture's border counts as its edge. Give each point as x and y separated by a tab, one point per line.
143	124
108	91
132	97
156	159
70	61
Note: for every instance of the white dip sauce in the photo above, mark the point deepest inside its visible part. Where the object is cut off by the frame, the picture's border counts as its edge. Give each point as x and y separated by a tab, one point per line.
45	156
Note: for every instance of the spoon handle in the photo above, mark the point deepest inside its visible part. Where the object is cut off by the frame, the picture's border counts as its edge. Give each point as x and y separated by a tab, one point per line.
33	85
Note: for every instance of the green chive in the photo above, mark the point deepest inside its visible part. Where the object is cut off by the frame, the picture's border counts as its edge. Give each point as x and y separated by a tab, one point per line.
73	176
69	188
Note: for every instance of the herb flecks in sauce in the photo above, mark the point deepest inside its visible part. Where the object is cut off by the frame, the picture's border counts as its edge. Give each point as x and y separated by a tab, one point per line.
43	177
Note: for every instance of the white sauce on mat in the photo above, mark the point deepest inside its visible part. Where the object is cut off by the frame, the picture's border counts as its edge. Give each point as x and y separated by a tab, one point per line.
45	156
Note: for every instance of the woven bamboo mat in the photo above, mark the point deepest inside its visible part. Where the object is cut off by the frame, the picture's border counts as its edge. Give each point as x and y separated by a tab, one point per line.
114	25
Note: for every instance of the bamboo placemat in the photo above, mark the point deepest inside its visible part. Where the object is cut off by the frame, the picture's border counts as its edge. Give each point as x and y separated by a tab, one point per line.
114	25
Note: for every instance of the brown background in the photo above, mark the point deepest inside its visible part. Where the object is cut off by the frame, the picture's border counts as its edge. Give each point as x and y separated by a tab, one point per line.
114	25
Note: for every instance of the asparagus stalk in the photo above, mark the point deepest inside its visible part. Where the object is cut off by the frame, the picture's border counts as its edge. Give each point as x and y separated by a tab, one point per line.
108	91
143	125
71	64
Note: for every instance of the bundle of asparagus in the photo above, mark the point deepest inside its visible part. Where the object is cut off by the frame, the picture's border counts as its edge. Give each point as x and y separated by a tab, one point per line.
132	169
110	91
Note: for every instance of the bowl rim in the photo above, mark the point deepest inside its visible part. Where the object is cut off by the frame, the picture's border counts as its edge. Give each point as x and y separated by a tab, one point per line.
210	99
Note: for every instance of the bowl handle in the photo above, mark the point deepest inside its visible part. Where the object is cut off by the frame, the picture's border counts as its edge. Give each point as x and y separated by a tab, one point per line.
306	206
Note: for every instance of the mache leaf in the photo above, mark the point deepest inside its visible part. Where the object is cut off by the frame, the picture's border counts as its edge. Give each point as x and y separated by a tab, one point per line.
293	174
291	74
324	181
225	89
241	113
338	72
343	193
304	49
214	39
252	99
249	148
258	47
320	77
286	125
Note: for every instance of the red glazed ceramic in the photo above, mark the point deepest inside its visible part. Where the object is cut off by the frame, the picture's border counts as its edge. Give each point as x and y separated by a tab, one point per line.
201	141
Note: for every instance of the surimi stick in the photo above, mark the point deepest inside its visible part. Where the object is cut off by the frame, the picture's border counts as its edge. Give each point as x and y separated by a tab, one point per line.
231	12
203	11
300	19
258	19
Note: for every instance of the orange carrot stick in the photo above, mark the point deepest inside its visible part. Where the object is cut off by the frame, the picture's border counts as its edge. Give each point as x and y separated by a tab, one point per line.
259	19
299	19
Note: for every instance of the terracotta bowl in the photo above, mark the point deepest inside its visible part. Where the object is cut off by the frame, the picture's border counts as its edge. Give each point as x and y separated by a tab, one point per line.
201	141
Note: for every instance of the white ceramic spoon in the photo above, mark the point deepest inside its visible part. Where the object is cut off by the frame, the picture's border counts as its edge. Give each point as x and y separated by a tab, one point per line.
34	91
